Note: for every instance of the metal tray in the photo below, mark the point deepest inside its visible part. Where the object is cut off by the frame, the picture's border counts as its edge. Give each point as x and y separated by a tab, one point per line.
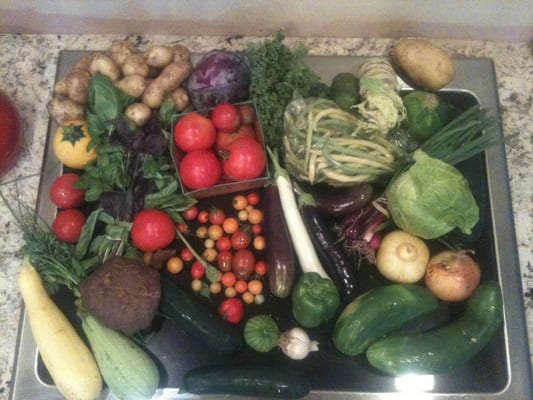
501	371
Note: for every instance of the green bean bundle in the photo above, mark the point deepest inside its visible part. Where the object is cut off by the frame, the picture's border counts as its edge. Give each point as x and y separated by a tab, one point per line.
324	143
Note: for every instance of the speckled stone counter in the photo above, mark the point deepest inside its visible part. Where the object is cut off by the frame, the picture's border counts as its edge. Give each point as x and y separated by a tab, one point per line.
27	73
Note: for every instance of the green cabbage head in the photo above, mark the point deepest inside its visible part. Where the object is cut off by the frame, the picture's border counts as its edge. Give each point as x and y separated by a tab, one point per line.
431	198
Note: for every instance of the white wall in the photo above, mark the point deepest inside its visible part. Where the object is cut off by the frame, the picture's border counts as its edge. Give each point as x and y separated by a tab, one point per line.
459	19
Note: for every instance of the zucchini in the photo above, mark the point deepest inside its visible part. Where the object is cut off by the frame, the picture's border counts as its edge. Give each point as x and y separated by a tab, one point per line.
378	312
126	367
197	319
248	380
447	347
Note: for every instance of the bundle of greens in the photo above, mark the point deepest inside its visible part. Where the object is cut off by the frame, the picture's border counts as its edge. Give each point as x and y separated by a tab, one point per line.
277	71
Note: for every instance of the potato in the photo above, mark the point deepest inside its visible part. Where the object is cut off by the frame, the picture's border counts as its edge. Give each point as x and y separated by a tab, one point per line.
172	76
425	64
77	85
159	56
62	109
139	113
120	49
83	63
135	64
133	85
105	65
180	98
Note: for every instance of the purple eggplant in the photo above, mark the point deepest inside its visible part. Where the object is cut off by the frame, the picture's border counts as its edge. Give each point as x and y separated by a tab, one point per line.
336	202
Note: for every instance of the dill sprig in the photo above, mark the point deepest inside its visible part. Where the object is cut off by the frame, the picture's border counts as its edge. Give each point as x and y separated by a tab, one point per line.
54	260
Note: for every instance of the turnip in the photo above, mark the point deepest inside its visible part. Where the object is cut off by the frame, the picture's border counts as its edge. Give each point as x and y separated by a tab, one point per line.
402	257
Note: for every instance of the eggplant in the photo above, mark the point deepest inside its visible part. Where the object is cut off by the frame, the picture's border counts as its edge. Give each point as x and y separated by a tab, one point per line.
337	264
339	202
280	257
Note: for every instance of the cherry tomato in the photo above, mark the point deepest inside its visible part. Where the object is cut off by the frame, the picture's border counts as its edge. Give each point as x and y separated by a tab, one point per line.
247	112
224	243
200	169
230	225
239	202
228	279
224	259
257	229
203	217
243	263
255	216
260	267
224	139
197	270
152	230
63	193
193	131
240	240
215	232
68	224
246	160
255	286
253	198
215	287
248	297
226	117
174	265
216	216
186	254
241	286
190	213
232	310
259	242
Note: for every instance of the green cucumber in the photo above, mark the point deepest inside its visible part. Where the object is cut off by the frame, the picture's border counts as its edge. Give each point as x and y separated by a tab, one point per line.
248	380
447	347
378	312
197	319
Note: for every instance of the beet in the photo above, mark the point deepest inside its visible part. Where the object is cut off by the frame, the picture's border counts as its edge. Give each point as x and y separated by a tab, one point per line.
123	294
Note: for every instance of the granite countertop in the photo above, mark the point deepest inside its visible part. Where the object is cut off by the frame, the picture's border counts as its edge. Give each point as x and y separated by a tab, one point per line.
28	67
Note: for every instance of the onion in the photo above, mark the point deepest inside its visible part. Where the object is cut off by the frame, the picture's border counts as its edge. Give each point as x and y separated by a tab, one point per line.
296	344
402	257
452	275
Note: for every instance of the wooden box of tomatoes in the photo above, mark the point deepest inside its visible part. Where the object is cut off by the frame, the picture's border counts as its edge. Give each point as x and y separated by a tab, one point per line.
219	150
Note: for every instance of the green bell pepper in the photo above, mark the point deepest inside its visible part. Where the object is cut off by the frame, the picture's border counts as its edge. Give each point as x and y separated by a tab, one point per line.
314	300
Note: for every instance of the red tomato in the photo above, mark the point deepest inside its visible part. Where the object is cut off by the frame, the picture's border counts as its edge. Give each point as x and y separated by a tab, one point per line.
10	134
68	224
63	193
193	131
197	270
246	160
243	263
216	216
190	213
232	310
224	139
152	230
200	169
224	243
247	112
226	117
224	258
253	198
186	254
240	239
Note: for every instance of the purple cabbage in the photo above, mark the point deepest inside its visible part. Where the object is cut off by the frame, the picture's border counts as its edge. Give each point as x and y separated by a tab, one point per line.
219	77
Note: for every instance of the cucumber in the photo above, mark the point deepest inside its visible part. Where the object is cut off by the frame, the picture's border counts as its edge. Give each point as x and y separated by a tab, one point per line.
248	380
378	312
447	347
197	319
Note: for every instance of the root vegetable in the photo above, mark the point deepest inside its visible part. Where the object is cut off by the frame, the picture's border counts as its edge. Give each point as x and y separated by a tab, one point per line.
120	50
133	85
105	65
123	294
170	79
452	275
135	64
60	87
67	358
402	257
180	99
425	64
77	86
181	54
159	56
83	63
62	109
139	113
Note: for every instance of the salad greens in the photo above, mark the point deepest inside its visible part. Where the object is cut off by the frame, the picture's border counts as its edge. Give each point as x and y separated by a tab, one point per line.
431	198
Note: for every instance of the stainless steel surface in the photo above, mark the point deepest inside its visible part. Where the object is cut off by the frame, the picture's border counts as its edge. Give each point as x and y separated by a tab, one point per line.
507	374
